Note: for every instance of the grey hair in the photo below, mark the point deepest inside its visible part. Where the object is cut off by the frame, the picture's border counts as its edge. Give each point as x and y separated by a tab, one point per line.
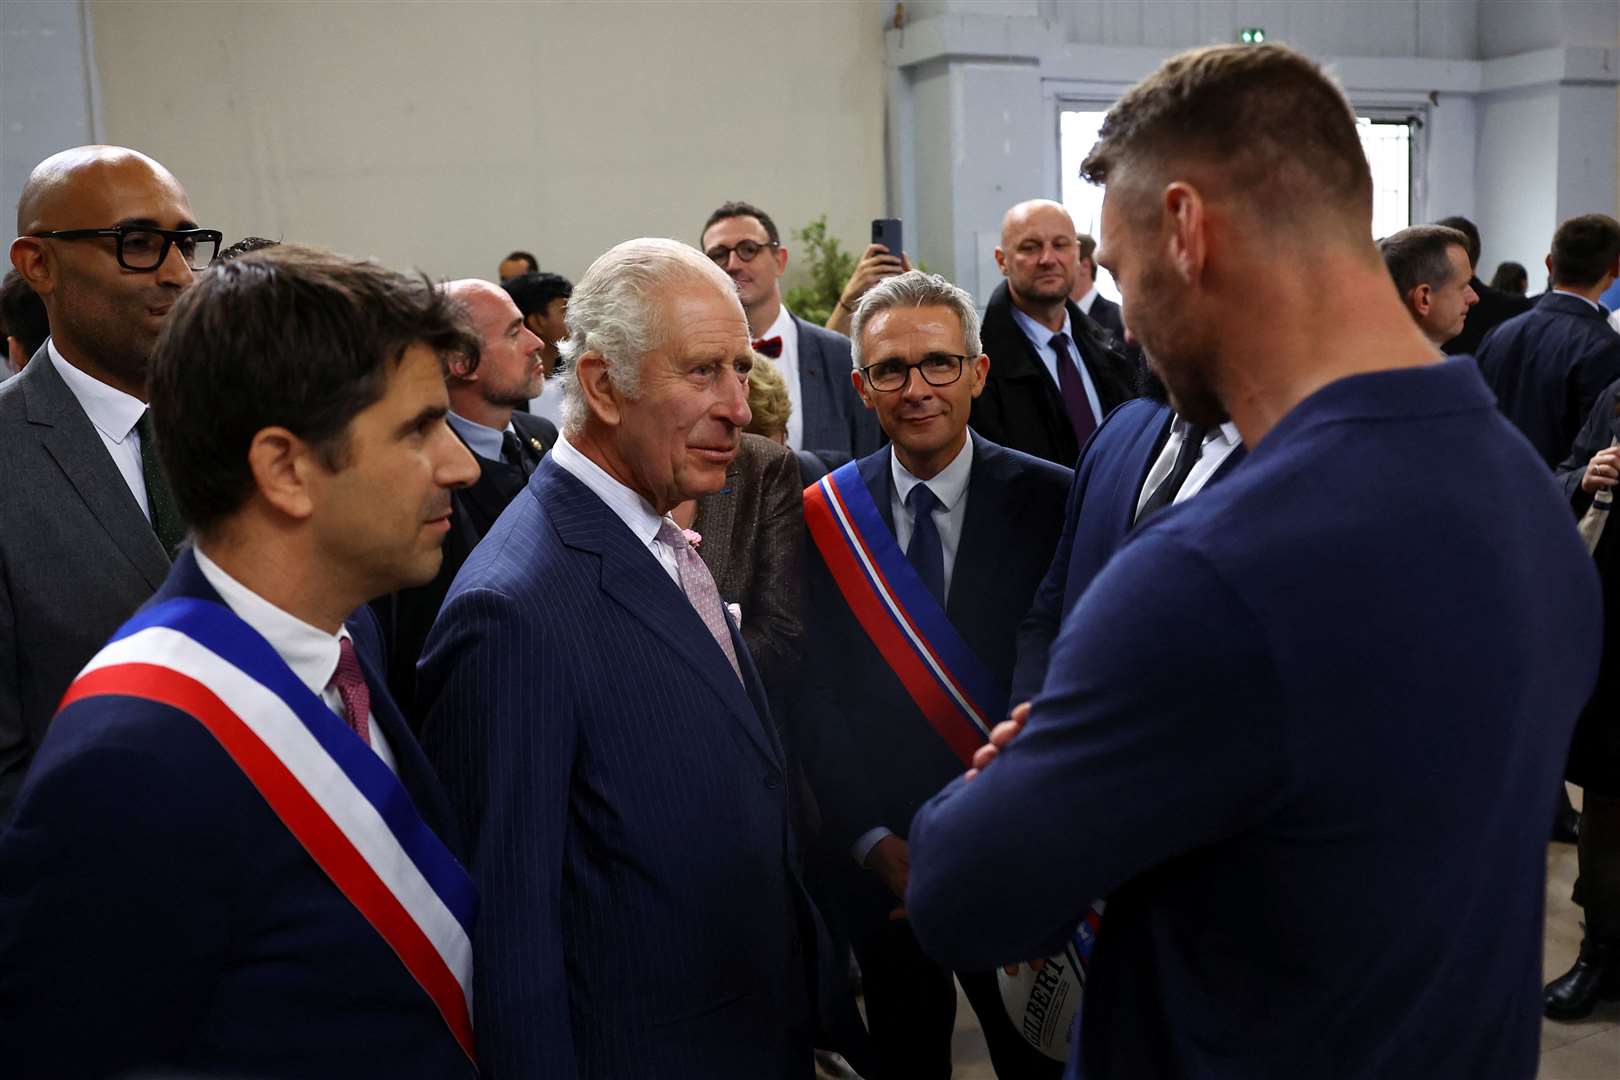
1420	255
914	289
615	311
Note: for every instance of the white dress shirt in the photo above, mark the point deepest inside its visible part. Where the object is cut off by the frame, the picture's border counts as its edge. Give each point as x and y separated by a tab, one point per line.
630	508
482	439
309	651
788	364
1218	446
950	487
1085	302
1040	337
114	415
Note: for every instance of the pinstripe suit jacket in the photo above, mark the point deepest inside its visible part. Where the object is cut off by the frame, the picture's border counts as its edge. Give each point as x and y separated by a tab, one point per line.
625	810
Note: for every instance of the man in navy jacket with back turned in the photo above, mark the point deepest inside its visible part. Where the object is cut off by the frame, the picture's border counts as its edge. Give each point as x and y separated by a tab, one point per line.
1248	715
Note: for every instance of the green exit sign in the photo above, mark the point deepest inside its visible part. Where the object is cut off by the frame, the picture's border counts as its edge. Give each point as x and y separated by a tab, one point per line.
1252	35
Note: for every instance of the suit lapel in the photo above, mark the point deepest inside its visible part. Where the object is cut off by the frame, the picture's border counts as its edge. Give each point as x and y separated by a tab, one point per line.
71	440
983	527
633	577
878	477
812	386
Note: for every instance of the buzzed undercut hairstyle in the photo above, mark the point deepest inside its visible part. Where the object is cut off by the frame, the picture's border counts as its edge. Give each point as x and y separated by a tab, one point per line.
1273	128
737	208
291	337
1420	256
1584	249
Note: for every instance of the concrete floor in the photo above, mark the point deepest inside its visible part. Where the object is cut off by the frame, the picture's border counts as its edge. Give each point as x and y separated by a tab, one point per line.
1588	1050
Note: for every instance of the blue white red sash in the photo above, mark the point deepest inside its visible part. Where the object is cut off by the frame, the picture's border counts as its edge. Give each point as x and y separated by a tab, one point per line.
958	696
332	791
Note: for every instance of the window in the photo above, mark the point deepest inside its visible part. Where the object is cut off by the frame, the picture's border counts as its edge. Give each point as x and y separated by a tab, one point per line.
1386	140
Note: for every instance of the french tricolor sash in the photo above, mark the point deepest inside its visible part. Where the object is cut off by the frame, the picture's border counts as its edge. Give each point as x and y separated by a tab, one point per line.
332	791
958	696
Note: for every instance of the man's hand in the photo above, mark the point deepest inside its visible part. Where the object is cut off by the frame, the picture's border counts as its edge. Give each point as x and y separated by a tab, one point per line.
890	860
875	265
1603	471
1000	735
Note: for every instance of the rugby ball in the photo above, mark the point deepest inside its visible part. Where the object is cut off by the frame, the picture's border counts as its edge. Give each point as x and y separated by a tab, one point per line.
1042	1004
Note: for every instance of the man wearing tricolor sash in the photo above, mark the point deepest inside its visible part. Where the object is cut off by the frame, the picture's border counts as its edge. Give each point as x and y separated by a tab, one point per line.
230	857
930	551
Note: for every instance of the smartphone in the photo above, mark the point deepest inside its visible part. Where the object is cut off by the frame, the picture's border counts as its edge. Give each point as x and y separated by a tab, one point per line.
886	231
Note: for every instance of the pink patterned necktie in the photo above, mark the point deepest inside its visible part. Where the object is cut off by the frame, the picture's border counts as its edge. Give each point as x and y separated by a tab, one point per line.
350	683
698	585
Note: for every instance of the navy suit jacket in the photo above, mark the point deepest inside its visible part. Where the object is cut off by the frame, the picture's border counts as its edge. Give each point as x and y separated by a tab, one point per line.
871	757
1548	367
1101	512
623	800
1300	732
834	417
157	916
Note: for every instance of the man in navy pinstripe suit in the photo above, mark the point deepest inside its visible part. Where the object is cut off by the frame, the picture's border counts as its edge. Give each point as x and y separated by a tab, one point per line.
603	732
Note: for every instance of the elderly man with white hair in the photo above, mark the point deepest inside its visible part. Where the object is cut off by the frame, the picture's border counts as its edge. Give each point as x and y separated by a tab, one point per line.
603	731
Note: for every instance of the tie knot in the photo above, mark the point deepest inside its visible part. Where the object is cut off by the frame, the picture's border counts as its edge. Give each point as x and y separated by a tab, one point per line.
347	672
922	501
1060	344
143	426
672	535
350	683
511	449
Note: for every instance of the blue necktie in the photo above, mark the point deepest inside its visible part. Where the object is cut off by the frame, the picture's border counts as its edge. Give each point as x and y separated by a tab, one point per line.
924	551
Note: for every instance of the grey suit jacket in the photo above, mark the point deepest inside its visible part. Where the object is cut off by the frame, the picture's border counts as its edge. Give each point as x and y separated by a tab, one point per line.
77	556
834	416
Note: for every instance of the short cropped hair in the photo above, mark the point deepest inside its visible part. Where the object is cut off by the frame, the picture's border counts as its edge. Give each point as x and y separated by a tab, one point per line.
525	257
737	208
1273	125
533	292
246	245
1469	230
1419	256
22	313
617	311
1088	248
768	398
291	337
1584	249
1511	277
915	288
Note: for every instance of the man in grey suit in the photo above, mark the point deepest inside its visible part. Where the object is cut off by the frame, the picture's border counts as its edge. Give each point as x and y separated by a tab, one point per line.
827	415
87	523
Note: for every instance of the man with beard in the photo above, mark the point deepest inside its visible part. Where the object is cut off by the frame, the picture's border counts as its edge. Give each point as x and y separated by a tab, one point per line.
87	523
485	392
1247	717
1053	374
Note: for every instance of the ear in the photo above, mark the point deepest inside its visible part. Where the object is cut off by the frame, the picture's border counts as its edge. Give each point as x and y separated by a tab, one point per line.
532	324
1001	260
1547	262
29	258
283	467
979	369
602	399
460	368
781	254
1187	218
860	386
1420	299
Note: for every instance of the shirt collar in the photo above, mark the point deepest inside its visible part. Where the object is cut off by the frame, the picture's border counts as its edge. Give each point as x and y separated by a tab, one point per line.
631	508
113	412
483	440
309	651
1565	292
948	485
1227	433
782	327
1037	333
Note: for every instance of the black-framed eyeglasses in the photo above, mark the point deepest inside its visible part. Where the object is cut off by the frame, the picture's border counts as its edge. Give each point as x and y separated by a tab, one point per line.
746	250
144	247
937	369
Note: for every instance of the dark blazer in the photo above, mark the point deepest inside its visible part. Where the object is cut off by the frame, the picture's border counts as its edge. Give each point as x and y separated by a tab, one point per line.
753	544
871	758
77	556
1334	615
157	917
834	417
623	800
1548	367
1494	308
1101	511
1021	407
407	615
1105	314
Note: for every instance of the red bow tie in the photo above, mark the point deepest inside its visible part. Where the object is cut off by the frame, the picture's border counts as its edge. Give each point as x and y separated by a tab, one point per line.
771	347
